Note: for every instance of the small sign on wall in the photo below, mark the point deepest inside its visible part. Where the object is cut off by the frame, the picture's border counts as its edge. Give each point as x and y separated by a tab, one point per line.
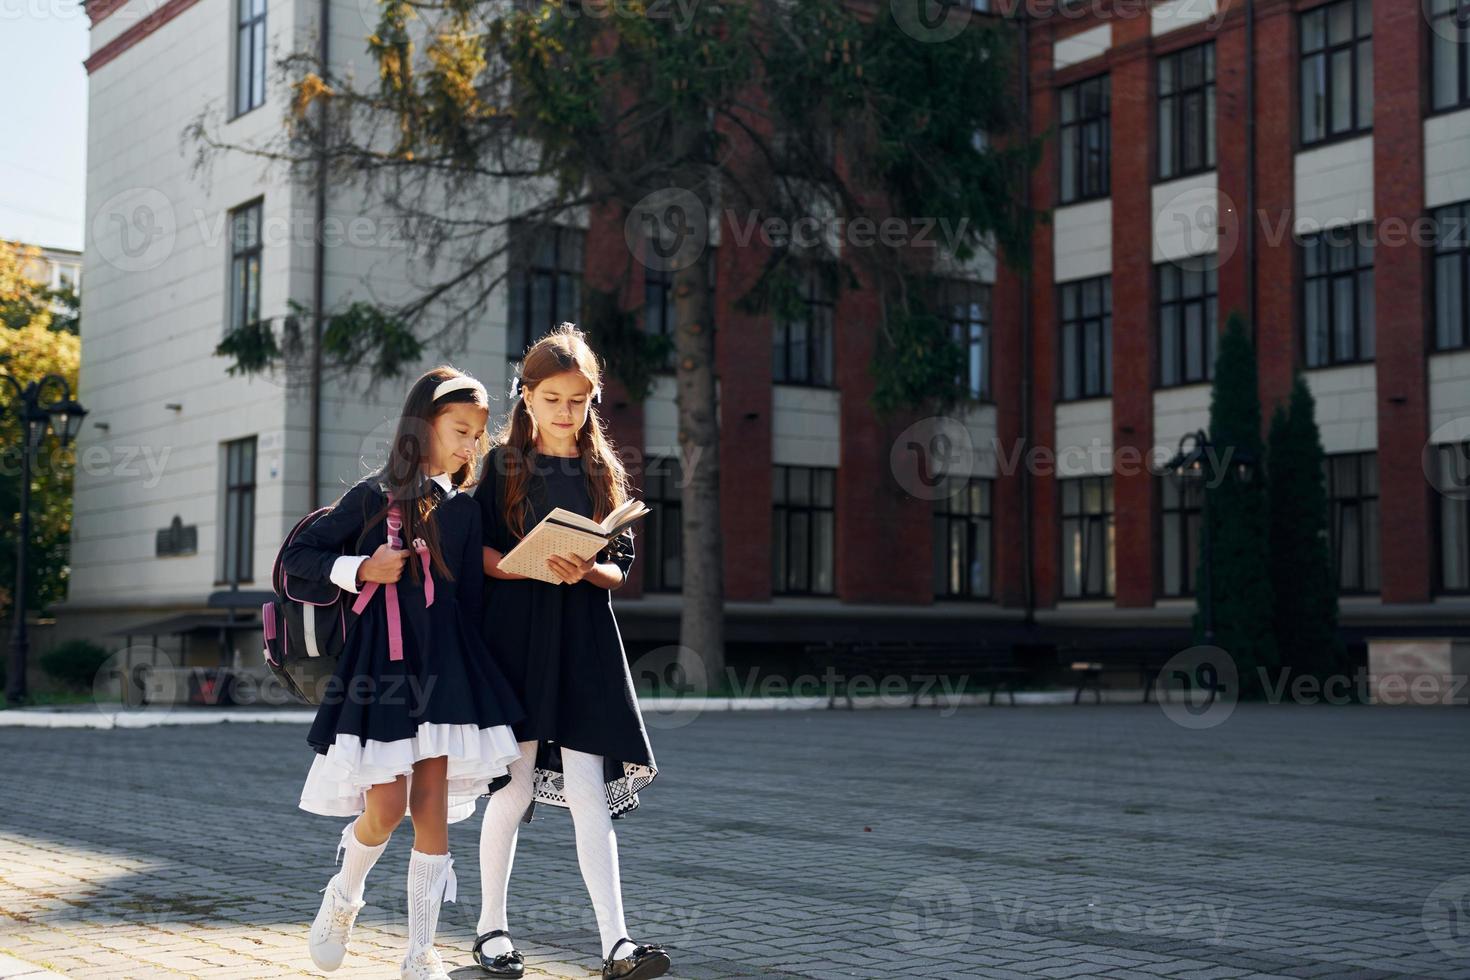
177	539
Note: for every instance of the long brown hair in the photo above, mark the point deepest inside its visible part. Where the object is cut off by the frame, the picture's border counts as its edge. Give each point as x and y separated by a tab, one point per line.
402	476
563	349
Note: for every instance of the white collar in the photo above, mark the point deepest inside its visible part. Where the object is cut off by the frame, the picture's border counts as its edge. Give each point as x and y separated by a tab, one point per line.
444	481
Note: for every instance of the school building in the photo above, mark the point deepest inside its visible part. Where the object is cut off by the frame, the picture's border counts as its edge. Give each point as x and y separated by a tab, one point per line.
1173	203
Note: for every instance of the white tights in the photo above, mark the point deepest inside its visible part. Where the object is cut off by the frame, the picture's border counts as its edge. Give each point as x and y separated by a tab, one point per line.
597	844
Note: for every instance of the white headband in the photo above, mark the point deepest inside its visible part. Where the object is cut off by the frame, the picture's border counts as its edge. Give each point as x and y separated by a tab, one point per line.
456	384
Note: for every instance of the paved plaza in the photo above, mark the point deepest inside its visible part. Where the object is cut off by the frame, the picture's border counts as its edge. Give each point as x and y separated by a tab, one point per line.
1057	841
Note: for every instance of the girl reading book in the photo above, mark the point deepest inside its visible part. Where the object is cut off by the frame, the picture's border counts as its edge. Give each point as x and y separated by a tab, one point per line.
583	743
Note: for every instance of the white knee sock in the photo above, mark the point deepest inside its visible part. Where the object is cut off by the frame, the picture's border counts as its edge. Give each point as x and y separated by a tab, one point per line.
430	881
597	843
359	860
498	834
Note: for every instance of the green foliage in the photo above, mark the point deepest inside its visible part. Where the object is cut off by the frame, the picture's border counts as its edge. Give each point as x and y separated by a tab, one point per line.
252	348
74	663
1238	516
632	354
916	361
1305	588
365	334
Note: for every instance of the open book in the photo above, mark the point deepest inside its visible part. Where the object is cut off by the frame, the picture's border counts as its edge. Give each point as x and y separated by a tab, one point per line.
562	532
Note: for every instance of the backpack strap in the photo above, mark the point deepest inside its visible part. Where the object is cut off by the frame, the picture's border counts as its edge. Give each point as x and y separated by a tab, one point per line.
390	593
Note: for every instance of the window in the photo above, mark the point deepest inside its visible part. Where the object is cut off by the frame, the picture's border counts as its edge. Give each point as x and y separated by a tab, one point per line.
545	282
245	255
1087	537
962	553
802	347
1087	337
967	309
1452	480
249	55
1452	276
803	527
663	568
238	537
1188	302
1337	295
1084	148
1352	526
1180	513
1337	70
1187	111
658	301
1449	53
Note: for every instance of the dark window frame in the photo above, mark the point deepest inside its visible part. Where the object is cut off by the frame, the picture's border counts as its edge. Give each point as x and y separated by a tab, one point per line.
1451	252
1453	492
973	518
818	367
658	295
1173	105
1360	502
959	299
1444	17
785	510
247	261
1329	246
1082	321
1079	126
663	531
251	44
1357	47
237	524
528	268
1104	516
1185	507
1174	285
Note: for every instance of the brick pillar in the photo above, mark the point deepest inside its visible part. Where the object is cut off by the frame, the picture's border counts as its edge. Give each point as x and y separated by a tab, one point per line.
1008	532
1232	163
1278	321
1133	322
1400	304
1043	339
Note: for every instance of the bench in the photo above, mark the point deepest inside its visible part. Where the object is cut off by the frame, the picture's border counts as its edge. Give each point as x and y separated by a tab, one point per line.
1089	672
993	668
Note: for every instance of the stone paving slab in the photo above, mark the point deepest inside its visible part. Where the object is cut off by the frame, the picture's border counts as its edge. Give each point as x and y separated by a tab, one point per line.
1089	841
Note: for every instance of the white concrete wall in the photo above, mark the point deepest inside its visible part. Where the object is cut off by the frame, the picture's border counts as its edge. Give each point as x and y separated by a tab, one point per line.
1081	46
1447	158
1171	16
1334	185
805	425
1082	240
1177	412
1347	415
1186	217
1084	438
1449	389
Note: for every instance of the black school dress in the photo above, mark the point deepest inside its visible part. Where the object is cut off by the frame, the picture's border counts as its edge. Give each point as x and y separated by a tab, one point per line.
446	697
560	648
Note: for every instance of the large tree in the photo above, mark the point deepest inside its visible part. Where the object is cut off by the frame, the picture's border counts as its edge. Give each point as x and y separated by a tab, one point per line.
655	116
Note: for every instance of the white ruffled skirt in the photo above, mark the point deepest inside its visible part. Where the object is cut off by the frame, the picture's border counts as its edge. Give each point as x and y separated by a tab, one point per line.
337	784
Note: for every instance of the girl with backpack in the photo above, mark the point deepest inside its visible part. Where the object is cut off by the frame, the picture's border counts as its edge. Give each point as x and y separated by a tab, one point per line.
418	718
583	745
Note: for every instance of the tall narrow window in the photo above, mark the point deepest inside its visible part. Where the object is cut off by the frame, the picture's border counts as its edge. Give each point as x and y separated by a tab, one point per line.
1336	70
1188	302
658	300
1186	123
544	282
1452	480
803	525
962	551
1180	512
237	536
1084	146
1087	537
663	568
1086	337
250	55
801	346
1352	496
246	249
967	306
1337	295
1449	54
1452	276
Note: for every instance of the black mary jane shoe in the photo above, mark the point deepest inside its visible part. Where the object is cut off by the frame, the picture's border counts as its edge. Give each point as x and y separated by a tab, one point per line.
510	965
646	961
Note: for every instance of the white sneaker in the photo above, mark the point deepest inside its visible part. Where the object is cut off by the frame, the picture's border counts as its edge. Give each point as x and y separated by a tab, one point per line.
332	928
423	965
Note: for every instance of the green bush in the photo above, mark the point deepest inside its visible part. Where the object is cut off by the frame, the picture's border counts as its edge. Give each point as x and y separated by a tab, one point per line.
74	663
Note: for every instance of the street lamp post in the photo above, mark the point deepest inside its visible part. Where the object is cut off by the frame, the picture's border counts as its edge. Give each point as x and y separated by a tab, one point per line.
1196	461
65	415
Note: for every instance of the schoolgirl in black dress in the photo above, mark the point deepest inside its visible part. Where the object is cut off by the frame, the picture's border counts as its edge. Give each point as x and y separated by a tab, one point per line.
421	721
582	740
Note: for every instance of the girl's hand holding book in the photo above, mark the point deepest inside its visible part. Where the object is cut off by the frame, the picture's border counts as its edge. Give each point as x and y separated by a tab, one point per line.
569	568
